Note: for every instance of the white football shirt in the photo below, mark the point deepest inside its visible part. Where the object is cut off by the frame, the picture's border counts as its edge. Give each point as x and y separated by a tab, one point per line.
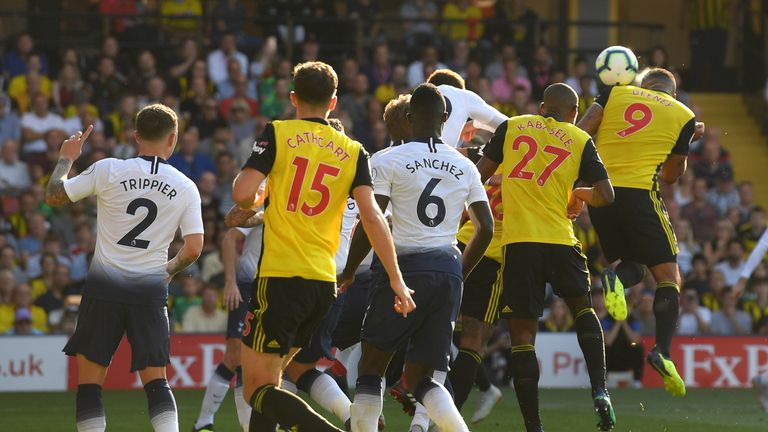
463	105
141	202
428	184
249	258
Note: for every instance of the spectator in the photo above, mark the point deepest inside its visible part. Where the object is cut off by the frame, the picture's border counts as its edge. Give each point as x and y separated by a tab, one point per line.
32	243
22	324
541	71
81	251
683	189
181	64
473	74
687	247
700	212
194	101
682	95
729	320
281	70
155	93
226	89
711	160
581	70
85	115
278	106
623	347
496	68
144	71
428	62
757	306
708	24
380	70
262	64
419	30
22	299
52	247
242	125
644	314
15	62
243	90
10	124
733	264
22	87
176	10
7	287
694	319
717	249
205	317
182	87
66	87
228	16
108	85
28	206
9	262
14	174
123	118
750	232
471	29
227	170
746	199
61	286
209	120
559	319
355	104
218	59
505	85
189	160
658	58
42	281
713	299
724	195
206	184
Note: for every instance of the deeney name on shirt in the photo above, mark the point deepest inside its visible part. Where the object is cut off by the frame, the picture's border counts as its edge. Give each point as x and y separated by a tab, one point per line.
448	167
314	139
152	184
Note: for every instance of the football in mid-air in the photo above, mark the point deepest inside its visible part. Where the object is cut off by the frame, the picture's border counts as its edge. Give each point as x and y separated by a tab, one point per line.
616	65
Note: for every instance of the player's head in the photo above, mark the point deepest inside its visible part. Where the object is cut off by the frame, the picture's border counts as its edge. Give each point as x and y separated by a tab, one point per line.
157	128
396	118
314	87
660	80
426	111
447	77
560	102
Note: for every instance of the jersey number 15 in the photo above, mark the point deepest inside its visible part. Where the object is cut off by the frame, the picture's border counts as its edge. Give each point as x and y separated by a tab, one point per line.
302	164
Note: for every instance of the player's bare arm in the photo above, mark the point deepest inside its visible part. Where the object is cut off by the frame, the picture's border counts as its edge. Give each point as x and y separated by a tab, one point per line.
599	195
592	119
673	168
487	168
189	253
238	217
55	195
480	214
244	192
375	225
232	298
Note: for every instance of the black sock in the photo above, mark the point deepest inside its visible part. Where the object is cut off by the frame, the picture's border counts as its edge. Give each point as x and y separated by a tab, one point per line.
288	410
160	403
590	336
89	407
630	273
223	371
261	423
305	381
481	378
239	375
525	376
462	374
666	307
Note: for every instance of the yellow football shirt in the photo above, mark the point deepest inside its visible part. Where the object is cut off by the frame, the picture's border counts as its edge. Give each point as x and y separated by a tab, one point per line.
468	229
311	169
640	128
541	159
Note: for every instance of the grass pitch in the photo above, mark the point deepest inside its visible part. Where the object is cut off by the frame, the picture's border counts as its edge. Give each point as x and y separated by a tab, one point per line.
647	410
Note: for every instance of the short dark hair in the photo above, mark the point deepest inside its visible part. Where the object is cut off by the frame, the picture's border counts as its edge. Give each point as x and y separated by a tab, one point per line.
447	77
659	75
155	122
426	99
314	82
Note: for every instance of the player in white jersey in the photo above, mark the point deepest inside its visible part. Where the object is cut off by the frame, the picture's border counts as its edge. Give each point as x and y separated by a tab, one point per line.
462	106
141	203
238	280
428	185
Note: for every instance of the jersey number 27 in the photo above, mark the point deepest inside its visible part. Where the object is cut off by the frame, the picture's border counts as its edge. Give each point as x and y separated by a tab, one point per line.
519	172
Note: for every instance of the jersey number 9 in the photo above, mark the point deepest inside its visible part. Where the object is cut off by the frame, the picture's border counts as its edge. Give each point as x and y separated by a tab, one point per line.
636	124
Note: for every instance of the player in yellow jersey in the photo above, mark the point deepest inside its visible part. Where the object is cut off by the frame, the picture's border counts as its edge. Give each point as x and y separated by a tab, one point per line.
310	169
643	134
541	158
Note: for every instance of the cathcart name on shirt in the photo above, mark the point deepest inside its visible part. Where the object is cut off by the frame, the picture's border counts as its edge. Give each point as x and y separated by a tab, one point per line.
435	164
153	184
556	132
314	139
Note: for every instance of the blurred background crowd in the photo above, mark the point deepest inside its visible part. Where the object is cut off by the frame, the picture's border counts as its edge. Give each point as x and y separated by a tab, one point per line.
226	81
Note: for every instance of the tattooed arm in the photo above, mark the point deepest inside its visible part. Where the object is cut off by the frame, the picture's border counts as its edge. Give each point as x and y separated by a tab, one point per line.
55	195
237	217
193	246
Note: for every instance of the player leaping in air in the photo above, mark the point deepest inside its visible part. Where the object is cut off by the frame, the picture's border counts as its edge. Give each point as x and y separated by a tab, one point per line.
541	158
428	184
643	135
126	290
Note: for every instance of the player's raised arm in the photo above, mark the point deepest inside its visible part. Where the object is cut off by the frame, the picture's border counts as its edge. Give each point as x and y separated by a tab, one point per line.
755	258
480	214
493	154
677	161
592	118
249	182
591	171
55	193
229	260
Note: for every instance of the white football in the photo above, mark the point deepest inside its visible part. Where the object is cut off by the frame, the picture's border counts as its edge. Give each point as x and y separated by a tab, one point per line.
616	65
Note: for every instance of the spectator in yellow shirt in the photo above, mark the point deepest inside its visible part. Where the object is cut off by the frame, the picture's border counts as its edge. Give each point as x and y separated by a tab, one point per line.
191	8
22	87
22	300
472	27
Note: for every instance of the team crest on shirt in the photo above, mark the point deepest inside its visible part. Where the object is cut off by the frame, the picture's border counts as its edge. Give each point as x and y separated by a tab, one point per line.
259	146
373	174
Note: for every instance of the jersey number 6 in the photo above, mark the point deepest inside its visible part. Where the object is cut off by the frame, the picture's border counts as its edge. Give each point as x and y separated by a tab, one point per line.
518	172
323	170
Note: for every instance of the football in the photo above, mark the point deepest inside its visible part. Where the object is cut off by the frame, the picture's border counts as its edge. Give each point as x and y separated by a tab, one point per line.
616	65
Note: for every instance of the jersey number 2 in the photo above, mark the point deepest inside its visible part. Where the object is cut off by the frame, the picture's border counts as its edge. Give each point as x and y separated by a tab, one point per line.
130	239
636	124
323	170
518	172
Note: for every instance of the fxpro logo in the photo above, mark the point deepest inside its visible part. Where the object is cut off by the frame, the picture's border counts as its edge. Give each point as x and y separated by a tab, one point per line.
22	367
710	365
192	370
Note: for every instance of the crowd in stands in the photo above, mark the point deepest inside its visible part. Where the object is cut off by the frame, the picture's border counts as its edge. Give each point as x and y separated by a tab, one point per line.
225	94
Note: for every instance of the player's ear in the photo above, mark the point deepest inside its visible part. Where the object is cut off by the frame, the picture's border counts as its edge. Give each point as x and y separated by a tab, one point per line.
541	108
332	103
293	98
445	116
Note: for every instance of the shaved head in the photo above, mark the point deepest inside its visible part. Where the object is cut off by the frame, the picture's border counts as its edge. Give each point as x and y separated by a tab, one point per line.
660	80
560	102
426	110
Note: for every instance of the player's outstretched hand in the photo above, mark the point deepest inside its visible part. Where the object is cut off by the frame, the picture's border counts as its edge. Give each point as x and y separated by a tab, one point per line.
232	297
575	206
699	130
404	304
73	146
468	132
738	288
343	281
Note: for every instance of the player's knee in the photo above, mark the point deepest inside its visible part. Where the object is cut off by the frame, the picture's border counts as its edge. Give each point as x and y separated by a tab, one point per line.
666	273
578	304
415	375
151	373
522	331
471	334
630	273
